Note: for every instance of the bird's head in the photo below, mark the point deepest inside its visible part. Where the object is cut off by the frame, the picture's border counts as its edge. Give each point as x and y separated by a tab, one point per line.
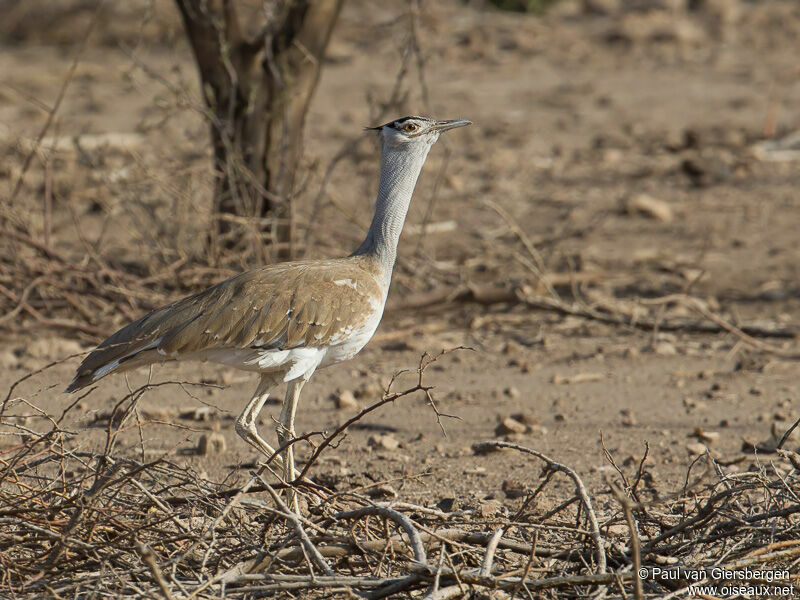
415	131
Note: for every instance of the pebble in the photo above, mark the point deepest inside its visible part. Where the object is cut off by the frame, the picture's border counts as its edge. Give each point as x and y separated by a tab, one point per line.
706	436
628	418
619	530
665	349
154	412
489	508
382	491
481	450
211	443
578	378
386	442
446	504
369	391
345	400
525	417
650	207
508	426
8	360
514	489
196	413
696	448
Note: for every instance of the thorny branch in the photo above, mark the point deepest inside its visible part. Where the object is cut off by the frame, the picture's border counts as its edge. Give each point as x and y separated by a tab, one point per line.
70	517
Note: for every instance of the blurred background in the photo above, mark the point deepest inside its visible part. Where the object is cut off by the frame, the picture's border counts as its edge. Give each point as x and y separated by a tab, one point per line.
616	235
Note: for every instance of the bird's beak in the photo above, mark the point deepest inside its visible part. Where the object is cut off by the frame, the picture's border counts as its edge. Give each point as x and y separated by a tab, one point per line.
452	124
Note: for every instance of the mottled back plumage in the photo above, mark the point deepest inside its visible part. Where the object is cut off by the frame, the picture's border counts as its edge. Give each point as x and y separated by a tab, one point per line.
277	307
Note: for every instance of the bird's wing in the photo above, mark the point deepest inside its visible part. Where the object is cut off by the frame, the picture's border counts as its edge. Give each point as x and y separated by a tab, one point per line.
282	306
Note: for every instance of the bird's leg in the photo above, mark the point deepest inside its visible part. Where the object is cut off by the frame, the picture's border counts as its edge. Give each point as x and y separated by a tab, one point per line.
246	422
286	432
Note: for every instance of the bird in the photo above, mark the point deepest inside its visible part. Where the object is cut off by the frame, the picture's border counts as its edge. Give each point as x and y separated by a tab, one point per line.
285	320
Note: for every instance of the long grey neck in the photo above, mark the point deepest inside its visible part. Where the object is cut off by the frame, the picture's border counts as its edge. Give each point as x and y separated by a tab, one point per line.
400	168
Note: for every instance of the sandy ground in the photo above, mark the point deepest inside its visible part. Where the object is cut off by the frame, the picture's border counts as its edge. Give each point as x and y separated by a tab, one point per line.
578	115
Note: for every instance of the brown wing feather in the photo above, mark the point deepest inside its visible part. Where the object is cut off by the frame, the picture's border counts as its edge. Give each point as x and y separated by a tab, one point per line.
288	305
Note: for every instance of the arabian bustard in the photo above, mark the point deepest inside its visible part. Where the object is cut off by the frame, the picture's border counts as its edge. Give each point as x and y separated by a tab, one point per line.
285	320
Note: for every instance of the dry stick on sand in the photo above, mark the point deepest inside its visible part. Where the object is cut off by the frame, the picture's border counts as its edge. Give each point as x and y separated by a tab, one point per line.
627	507
307	544
147	556
699	307
580	488
517	293
411	531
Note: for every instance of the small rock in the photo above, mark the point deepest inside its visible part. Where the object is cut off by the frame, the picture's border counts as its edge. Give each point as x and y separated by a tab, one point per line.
382	491
708	437
696	448
345	400
369	391
8	360
628	418
578	378
665	349
512	347
514	489
479	449
703	172
453	182
559	417
196	413
526	418
619	531
155	413
446	504
489	508
211	443
650	207
632	353
510	426
386	442
511	392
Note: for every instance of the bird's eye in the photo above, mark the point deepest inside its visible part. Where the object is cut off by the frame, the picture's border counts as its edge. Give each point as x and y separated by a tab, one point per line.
410	127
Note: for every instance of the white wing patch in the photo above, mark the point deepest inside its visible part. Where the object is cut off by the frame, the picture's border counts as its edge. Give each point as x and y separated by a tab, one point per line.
346	282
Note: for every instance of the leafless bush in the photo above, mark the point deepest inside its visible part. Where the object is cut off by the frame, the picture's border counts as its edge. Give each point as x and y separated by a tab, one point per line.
78	522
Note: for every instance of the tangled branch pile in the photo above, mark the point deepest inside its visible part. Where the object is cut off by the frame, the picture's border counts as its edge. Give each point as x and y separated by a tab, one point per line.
78	523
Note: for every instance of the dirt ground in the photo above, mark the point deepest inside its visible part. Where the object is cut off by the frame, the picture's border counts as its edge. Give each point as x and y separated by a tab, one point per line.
621	145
